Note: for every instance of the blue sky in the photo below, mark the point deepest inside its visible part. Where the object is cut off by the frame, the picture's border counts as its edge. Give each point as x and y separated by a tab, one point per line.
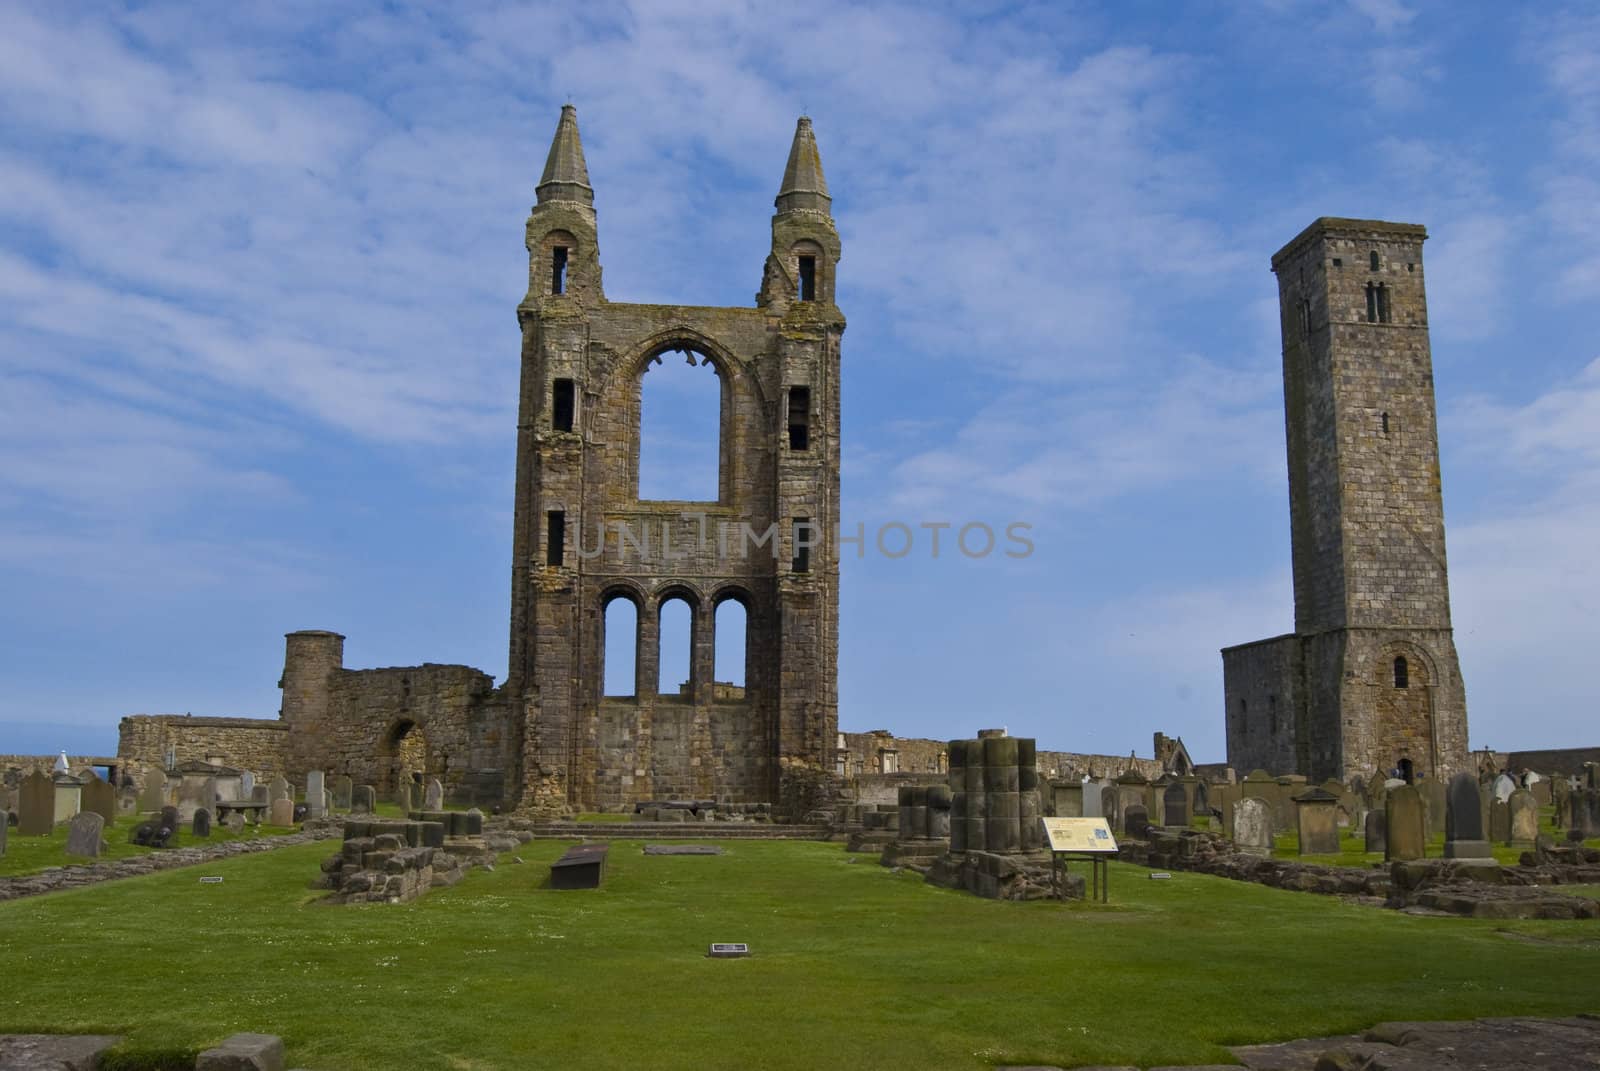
258	356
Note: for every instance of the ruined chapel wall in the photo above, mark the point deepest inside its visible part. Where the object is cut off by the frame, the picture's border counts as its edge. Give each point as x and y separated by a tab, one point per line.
254	744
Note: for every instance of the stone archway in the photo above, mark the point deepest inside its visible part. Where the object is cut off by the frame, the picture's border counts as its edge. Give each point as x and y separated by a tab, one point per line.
406	748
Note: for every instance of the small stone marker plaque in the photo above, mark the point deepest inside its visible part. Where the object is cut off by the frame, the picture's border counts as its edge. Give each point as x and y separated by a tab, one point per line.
1079	835
682	849
214	879
728	951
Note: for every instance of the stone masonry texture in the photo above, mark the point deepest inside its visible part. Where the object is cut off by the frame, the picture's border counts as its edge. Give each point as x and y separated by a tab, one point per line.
1369	680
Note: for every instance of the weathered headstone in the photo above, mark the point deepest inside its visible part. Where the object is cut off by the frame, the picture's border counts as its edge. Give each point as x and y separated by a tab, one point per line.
1405	834
235	822
343	789
1317	819
1136	821
280	789
1434	804
36	805
5	826
1252	826
69	796
1174	806
247	785
1089	798
281	812
316	802
1463	820
1067	799
433	798
202	822
1499	822
363	798
153	794
1523	817
1377	830
83	834
99	797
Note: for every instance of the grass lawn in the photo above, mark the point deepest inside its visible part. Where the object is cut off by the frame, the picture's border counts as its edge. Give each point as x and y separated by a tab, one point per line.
29	855
853	966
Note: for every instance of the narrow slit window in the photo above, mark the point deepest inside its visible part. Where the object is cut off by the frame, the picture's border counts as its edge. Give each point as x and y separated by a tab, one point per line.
1402	673
801	536
1376	263
561	396
808	278
1386	423
558	270
555	534
1383	304
1372	304
799	418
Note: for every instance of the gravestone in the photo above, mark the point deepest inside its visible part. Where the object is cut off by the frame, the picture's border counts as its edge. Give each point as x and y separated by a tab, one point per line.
1252	826
363	798
1541	792
343	789
153	794
234	822
1317	820
1522	817
1377	830
83	834
101	798
36	805
1405	833
433	798
1136	821
5	826
316	801
1499	822
69	797
280	789
1067	800
1174	806
1089	797
247	785
1463	820
1434	806
202	822
259	794
281	812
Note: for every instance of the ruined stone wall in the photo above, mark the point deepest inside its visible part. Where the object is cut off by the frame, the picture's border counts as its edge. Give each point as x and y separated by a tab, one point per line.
464	727
916	755
1261	691
1568	761
255	744
584	359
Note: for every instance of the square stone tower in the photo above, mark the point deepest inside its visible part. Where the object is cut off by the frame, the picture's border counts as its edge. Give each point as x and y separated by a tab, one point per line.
1369	680
584	538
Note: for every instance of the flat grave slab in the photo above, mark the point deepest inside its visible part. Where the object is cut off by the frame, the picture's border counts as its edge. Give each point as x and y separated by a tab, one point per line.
582	866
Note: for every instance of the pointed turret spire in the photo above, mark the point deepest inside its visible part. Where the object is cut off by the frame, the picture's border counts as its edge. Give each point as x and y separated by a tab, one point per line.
804	188
566	177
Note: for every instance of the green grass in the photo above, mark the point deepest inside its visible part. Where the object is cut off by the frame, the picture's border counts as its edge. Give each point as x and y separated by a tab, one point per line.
853	966
29	855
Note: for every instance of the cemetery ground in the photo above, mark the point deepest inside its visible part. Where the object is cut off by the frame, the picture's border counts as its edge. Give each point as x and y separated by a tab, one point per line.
852	965
30	855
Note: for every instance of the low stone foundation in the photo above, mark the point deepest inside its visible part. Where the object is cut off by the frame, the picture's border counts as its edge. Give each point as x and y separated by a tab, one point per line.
396	862
998	876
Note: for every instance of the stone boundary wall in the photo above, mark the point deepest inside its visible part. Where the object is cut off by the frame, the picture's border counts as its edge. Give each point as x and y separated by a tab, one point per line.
254	744
28	763
920	756
73	877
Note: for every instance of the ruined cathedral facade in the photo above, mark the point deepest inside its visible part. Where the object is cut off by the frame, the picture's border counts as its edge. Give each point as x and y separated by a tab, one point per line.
549	739
1369	680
